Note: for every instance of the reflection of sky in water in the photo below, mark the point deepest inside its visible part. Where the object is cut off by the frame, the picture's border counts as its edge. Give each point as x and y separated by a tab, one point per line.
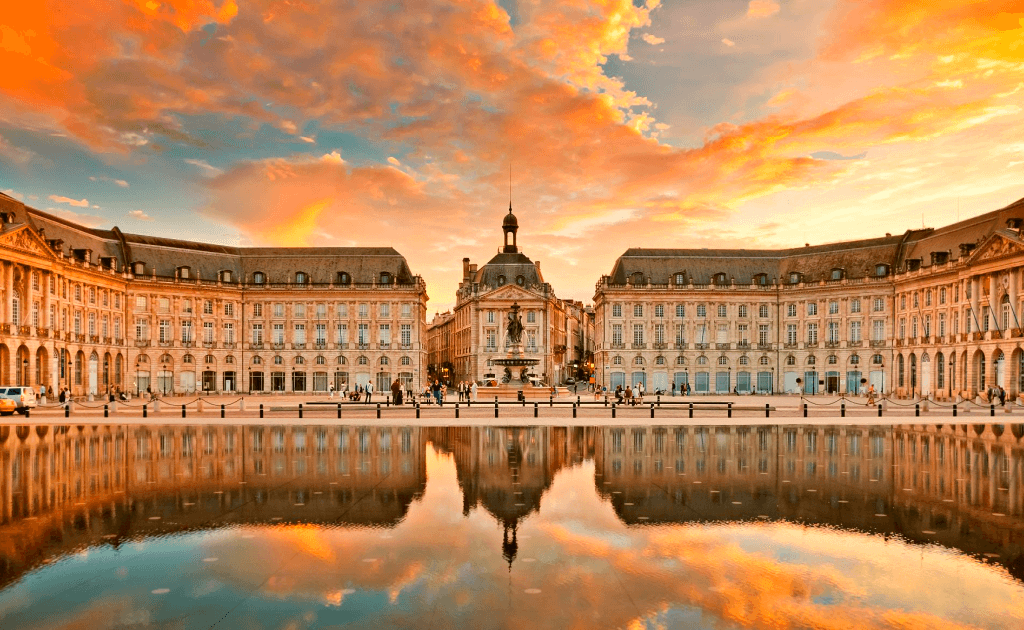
576	565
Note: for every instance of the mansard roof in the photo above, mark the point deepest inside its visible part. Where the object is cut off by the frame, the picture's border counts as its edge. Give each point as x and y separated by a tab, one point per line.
509	265
164	255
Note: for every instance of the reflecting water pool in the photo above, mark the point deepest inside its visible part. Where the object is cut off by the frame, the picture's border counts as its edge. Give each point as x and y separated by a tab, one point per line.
487	527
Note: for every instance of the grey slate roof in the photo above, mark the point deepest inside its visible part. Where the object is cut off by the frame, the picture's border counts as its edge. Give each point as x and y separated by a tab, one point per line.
206	260
510	266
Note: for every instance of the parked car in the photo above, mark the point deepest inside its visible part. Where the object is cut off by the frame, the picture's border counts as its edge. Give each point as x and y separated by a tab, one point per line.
570	381
24	397
7	407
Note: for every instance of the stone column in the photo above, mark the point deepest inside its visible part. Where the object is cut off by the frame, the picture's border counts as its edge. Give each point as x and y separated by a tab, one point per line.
993	303
9	292
975	316
1011	292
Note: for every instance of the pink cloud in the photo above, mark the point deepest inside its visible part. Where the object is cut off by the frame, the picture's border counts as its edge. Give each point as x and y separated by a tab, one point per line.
78	203
762	8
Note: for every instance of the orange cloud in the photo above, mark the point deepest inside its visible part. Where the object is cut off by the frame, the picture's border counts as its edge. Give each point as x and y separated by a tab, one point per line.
762	8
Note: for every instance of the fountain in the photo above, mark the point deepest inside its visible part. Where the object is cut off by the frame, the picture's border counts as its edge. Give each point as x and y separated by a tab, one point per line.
517	365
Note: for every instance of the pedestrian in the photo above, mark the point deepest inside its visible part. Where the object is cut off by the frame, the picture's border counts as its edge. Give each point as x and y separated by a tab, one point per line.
330	392
629	395
1002	396
396	392
369	391
871	395
472	389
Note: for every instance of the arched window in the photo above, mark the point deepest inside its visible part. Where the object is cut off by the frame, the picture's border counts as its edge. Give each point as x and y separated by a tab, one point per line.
876	359
854	359
278	360
320	360
188	358
794	277
702	360
301	277
764	361
257	361
638	361
300	361
638	277
899	369
790	360
832	359
680	360
723	360
341	360
617	361
721	278
343	278
881	270
744	360
259	277
406	361
229	359
363	360
811	360
166	358
837	274
384	361
385	277
209	359
659	360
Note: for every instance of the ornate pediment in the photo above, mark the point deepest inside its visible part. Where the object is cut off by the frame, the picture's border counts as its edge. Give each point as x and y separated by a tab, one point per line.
996	247
24	239
511	292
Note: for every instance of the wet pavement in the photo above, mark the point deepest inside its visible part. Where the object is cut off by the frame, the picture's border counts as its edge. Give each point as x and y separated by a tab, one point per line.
654	526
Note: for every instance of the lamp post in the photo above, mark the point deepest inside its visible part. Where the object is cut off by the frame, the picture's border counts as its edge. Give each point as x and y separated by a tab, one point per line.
138	393
163	377
730	377
882	393
949	376
771	386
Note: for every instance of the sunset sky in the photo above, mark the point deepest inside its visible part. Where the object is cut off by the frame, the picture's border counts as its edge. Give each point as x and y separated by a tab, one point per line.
717	123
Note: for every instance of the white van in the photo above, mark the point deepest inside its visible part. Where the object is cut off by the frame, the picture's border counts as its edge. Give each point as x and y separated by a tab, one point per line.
23	397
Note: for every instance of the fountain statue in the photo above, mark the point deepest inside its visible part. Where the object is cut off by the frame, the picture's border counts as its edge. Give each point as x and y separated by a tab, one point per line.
515	357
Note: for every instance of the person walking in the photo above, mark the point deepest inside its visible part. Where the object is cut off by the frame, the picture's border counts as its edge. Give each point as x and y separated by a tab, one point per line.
871	395
330	392
396	392
1002	396
369	391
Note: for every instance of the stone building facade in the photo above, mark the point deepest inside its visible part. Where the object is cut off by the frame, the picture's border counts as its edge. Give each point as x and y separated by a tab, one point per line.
100	309
555	331
932	312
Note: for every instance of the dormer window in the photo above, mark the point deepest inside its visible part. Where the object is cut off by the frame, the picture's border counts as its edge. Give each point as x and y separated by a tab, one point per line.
881	270
138	268
638	278
385	277
501	281
837	274
680	278
183	273
301	277
913	264
795	277
720	278
520	280
344	278
259	277
761	279
225	276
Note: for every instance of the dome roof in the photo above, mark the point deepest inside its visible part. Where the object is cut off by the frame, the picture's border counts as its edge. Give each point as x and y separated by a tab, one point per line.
510	219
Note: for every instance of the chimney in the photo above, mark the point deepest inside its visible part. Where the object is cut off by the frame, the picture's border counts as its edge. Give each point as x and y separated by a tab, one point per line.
465	268
537	262
966	248
472	269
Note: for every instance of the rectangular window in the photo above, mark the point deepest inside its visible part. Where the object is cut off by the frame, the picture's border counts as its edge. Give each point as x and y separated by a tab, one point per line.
855	305
763	332
257	310
833	332
741	310
638	333
385	333
878	330
341	333
186	306
341	311
913	327
702	310
956	323
141	328
722	310
680	334
406	335
207	307
229	309
680	310
165	330
762	311
164	304
257	333
229	333
855	331
616	310
617	334
321	311
722	334
299	334
207	332
186	331
385	309
364	334
638	310
833	308
278	309
812	308
702	333
659	310
299	310
942	324
492	339
277	333
406	311
92	323
812	333
791	310
490	317
903	327
117	328
321	334
531	317
659	333
364	310
878	305
742	333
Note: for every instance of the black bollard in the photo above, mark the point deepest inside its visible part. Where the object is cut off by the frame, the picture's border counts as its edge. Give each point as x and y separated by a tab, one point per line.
551	401
106	412
613	410
767	410
691	410
535	408
378	411
183	411
730	410
842	410
606	400
495	406
917	409
659	400
145	411
805	410
67	411
261	410
417	410
954	410
992	410
387	400
456	411
300	410
222	411
879	410
339	411
652	410
574	410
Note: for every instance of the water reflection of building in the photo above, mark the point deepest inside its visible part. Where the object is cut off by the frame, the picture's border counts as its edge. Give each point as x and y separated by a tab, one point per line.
956	485
67	487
